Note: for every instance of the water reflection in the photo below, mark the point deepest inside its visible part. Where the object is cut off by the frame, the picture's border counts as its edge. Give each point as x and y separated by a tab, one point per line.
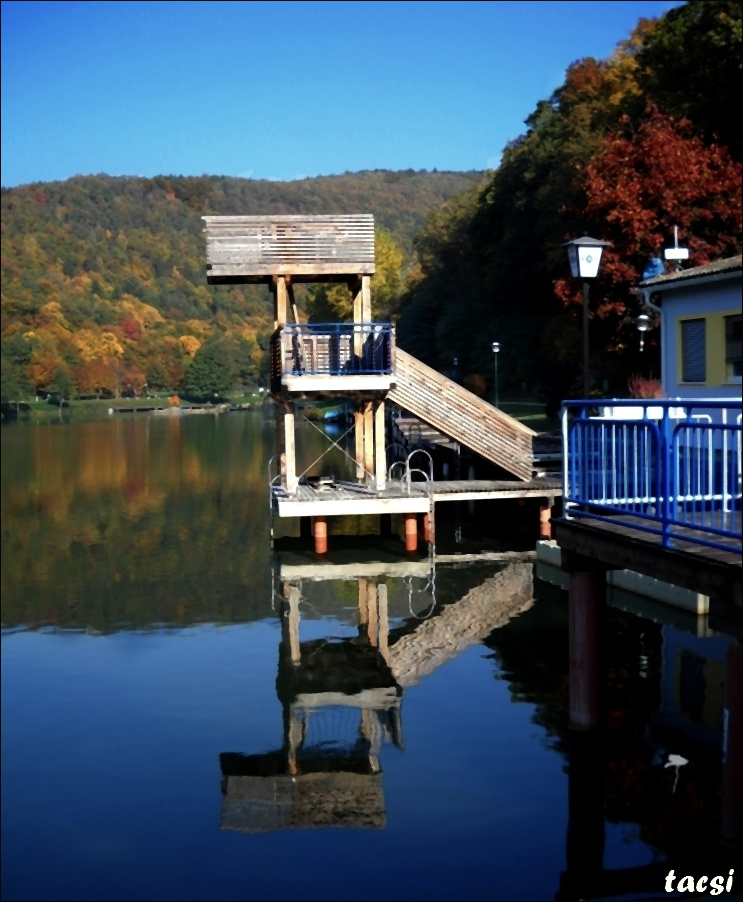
341	697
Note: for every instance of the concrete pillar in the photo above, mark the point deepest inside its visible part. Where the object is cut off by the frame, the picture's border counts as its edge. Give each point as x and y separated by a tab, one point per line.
730	827
587	605
411	532
320	531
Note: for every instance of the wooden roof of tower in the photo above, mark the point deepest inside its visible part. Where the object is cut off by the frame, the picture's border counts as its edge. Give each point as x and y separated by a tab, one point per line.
243	249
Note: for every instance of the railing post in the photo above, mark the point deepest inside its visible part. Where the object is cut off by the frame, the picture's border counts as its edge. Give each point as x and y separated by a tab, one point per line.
667	467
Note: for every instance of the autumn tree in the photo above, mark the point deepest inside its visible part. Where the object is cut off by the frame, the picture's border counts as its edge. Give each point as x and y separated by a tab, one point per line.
637	188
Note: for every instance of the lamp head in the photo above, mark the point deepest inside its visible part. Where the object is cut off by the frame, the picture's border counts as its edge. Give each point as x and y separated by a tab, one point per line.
495	346
584	255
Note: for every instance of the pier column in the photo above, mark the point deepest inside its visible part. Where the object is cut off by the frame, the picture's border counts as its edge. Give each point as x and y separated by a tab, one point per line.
320	532
587	606
411	532
730	828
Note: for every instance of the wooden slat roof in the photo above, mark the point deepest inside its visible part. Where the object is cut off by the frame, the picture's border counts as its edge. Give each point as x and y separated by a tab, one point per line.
254	248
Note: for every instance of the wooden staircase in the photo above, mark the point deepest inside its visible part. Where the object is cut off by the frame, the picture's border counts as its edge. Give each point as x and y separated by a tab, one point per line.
464	417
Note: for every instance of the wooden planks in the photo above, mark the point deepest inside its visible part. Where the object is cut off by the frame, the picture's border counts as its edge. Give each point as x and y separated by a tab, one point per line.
463	416
260	246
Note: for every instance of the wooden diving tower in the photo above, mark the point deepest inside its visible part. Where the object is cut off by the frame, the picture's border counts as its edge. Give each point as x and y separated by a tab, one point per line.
357	361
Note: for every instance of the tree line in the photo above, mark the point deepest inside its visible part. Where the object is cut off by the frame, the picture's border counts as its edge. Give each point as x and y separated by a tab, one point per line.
104	285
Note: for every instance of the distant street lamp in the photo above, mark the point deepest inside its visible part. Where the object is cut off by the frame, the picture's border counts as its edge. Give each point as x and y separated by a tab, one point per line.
643	324
584	255
496	348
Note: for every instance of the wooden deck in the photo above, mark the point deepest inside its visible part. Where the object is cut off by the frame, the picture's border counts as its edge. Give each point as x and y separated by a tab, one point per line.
353	499
617	545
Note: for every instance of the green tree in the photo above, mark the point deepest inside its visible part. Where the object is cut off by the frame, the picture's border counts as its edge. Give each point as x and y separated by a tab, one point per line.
207	377
692	65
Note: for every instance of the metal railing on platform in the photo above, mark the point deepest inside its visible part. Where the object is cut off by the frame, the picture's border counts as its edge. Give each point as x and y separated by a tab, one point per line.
671	468
335	349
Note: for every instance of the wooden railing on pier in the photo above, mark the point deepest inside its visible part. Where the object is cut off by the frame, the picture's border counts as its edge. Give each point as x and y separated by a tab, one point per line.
256	248
467	419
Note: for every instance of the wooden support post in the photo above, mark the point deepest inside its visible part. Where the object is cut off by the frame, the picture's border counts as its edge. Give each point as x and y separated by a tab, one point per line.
358	419
292	301
371	596
384	621
366	305
380	455
368	440
428	528
358	338
730	828
291	482
320	532
411	532
279	301
290	620
363	605
545	515
587	603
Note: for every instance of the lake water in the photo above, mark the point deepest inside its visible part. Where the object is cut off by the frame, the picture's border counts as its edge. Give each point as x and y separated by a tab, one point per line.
171	731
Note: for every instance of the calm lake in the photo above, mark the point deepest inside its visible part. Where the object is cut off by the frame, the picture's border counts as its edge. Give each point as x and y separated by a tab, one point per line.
168	734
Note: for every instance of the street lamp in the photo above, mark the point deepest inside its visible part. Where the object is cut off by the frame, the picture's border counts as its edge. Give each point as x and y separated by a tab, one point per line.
584	255
496	348
643	324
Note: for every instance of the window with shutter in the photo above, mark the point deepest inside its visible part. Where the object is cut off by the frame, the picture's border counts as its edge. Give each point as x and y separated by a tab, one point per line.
733	348
693	353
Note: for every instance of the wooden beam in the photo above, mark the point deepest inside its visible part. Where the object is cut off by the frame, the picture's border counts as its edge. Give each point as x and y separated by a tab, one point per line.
291	481
358	419
368	440
366	304
279	302
380	454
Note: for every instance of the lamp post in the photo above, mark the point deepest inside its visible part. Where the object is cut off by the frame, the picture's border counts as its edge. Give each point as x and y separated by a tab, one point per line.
643	324
584	255
496	348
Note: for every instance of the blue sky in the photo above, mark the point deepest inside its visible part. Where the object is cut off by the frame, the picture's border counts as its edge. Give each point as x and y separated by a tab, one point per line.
283	90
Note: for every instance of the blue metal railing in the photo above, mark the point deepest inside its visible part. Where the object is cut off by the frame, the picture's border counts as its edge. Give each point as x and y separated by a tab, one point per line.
673	467
337	349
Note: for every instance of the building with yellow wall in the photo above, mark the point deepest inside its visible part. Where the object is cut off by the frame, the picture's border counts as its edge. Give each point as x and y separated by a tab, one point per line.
700	329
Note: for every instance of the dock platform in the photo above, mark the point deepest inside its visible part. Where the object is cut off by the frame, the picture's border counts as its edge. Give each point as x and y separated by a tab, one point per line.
347	498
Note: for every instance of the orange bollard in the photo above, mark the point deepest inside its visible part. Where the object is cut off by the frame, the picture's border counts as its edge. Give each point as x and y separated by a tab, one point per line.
321	535
545	525
411	532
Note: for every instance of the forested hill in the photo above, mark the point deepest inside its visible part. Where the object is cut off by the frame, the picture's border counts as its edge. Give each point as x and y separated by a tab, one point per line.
104	279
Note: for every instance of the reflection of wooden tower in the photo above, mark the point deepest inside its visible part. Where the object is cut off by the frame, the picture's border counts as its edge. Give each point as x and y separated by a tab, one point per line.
340	701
